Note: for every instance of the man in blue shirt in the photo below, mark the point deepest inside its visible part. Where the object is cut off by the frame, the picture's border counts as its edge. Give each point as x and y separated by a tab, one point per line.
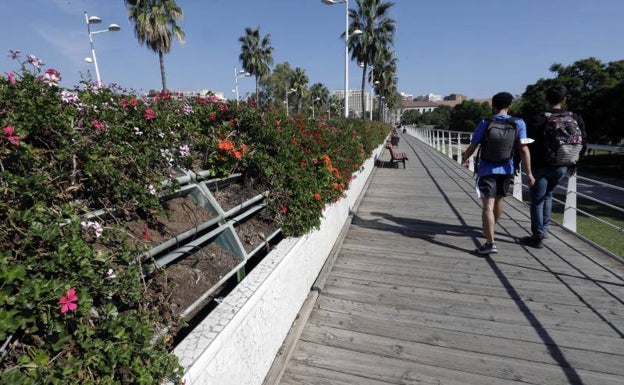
494	179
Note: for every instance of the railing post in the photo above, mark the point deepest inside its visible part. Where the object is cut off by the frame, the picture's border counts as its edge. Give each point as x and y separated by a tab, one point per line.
459	149
569	211
517	184
471	163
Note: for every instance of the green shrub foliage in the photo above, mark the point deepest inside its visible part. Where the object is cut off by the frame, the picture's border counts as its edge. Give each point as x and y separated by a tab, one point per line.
74	304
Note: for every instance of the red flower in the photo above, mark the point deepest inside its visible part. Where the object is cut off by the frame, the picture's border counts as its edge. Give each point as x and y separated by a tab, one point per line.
226	145
149	114
317	196
294	140
98	125
68	301
212	117
237	154
284	209
223	107
145	234
11	137
231	122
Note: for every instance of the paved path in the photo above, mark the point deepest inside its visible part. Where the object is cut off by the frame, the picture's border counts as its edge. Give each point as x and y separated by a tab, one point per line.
408	301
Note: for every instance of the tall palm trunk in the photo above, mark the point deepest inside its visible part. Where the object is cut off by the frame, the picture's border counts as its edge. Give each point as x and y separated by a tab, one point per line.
163	77
363	86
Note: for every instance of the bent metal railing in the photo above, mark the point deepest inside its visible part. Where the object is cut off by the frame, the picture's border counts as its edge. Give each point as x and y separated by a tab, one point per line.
453	144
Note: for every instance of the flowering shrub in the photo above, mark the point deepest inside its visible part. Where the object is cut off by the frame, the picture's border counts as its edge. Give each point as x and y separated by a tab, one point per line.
74	304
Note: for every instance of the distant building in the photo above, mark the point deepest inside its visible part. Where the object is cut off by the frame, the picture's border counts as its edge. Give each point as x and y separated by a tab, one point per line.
453	99
429	98
420	106
355	101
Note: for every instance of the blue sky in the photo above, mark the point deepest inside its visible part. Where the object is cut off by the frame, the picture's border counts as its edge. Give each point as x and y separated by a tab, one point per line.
476	47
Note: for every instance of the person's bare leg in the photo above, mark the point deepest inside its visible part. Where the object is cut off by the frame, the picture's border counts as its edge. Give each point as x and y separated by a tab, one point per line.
498	209
488	219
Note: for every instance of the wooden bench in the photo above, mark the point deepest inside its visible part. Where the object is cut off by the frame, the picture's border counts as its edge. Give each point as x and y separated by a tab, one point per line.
396	157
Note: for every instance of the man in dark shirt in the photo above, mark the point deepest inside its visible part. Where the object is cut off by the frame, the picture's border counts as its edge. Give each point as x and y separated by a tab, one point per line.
547	176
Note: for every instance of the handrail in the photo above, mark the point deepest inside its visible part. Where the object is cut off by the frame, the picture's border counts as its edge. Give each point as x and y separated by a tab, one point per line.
453	143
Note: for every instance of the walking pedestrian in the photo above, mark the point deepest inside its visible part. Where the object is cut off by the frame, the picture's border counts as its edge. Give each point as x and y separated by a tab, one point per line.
499	139
559	140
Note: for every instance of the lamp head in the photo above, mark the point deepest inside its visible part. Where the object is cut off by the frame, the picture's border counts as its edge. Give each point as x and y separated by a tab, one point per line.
94	20
113	28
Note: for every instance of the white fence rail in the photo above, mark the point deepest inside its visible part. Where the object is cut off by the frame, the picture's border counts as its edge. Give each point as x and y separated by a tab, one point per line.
453	144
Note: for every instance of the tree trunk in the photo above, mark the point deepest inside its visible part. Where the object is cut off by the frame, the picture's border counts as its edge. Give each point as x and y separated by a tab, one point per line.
163	77
363	85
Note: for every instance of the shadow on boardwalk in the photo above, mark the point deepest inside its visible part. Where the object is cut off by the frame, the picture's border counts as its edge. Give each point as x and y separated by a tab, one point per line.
408	301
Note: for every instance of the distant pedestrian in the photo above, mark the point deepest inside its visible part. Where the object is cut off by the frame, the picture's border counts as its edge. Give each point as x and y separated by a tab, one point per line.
499	139
559	140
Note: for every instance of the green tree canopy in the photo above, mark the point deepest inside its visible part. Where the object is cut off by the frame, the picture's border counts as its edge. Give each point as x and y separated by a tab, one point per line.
594	91
466	115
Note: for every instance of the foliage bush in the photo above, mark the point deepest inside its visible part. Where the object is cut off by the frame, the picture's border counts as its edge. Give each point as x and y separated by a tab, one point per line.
74	302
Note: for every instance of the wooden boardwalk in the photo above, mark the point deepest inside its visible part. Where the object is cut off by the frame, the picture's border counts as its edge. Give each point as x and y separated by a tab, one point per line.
408	301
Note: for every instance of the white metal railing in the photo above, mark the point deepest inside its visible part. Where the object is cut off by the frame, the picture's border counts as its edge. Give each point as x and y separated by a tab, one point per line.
453	144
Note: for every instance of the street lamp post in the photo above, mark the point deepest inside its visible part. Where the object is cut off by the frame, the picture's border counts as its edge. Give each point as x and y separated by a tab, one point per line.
356	32
93	58
313	101
237	75
290	91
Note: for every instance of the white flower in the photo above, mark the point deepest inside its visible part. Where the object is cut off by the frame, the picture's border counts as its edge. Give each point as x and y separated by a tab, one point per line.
69	97
187	109
94	226
151	189
185	150
110	274
137	131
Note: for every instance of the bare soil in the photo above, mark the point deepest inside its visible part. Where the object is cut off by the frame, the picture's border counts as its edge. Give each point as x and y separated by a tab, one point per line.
255	230
232	195
183	214
189	278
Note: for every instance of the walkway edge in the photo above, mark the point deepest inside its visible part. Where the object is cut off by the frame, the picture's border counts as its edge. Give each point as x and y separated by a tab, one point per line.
276	371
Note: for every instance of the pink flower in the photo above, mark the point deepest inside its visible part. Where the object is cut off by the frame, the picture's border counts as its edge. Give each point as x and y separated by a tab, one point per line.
11	137
11	78
52	77
35	61
149	114
98	125
284	209
68	301
14	54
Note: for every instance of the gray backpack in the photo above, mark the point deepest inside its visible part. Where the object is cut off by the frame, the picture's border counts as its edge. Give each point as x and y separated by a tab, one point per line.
500	140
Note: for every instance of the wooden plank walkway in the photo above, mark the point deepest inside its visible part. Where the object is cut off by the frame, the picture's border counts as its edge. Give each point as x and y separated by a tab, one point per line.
408	301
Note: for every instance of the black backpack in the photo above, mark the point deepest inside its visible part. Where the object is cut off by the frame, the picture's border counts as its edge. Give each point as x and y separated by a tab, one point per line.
563	139
500	140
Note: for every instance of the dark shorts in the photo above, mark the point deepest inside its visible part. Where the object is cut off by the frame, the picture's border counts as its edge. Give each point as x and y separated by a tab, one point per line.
495	185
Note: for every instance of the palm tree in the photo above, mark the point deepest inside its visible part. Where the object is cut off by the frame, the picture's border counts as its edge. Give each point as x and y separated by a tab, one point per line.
385	73
155	25
319	95
299	83
370	17
256	53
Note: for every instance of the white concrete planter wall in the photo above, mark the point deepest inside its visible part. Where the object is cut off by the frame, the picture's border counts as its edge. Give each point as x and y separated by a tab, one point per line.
238	341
